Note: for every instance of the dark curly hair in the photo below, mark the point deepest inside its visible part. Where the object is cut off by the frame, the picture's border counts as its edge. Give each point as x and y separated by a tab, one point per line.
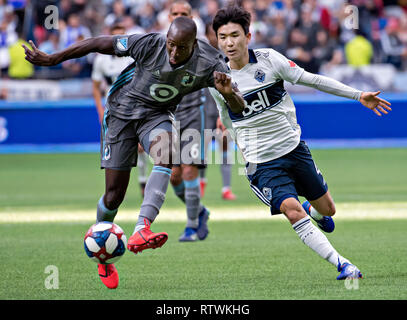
232	13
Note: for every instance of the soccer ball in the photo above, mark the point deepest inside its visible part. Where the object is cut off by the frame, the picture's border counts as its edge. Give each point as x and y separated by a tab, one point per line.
105	242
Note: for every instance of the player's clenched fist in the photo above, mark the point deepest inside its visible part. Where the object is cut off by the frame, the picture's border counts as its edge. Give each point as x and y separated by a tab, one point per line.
223	83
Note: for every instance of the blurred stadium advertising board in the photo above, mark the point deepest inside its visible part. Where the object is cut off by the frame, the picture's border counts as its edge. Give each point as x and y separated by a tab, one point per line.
71	125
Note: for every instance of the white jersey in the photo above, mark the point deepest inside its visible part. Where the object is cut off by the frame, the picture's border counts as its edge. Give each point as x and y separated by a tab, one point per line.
107	67
267	128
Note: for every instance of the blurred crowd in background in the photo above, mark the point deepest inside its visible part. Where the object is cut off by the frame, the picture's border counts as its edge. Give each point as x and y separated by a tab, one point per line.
313	33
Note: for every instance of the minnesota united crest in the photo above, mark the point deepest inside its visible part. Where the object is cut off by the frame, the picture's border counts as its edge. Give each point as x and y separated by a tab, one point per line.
259	75
106	152
188	80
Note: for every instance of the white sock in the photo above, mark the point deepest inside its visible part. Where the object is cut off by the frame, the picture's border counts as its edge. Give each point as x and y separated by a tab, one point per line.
317	241
315	214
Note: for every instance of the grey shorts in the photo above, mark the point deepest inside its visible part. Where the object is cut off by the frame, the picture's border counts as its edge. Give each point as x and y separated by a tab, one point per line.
190	125
120	138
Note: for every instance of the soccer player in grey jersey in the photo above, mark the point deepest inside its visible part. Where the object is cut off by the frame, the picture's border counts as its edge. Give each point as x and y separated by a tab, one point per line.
106	69
140	108
279	165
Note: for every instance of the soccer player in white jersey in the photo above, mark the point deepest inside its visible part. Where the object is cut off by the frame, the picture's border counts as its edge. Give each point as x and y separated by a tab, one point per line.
279	165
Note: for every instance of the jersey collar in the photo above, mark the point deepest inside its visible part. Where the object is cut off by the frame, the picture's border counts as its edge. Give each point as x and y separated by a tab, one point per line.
252	56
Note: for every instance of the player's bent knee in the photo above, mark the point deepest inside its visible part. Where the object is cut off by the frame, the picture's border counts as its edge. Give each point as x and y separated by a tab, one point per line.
331	209
113	198
175	179
293	210
189	172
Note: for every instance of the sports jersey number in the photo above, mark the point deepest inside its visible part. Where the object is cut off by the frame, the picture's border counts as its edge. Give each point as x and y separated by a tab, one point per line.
163	92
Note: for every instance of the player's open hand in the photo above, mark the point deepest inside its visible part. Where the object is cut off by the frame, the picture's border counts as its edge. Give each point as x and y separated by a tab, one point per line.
374	103
223	83
36	56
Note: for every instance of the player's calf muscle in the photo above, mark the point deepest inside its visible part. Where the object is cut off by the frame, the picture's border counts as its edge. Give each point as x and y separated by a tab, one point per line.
293	210
324	205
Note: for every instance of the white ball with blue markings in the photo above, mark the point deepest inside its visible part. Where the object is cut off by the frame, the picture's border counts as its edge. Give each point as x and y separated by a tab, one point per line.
105	242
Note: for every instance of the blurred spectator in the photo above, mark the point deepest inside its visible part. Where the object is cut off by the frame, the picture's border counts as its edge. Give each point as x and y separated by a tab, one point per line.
19	67
69	7
80	67
359	50
51	44
19	9
287	8
278	32
299	50
325	53
393	48
5	9
307	24
3	93
369	11
207	10
130	26
146	17
118	14
73	30
261	8
7	38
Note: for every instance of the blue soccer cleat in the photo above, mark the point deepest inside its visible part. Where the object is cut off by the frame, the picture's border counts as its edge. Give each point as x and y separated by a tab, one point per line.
348	270
203	231
189	235
326	224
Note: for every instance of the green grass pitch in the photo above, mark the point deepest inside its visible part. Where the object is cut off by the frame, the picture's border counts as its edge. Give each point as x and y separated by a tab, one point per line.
250	258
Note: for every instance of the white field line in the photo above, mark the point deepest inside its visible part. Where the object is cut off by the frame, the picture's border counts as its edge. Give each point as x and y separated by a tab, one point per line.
345	211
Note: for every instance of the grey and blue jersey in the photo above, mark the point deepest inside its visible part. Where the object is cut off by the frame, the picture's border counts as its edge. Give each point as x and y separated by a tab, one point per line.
151	85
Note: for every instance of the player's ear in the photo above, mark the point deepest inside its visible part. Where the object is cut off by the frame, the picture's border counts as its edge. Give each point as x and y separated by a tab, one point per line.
248	37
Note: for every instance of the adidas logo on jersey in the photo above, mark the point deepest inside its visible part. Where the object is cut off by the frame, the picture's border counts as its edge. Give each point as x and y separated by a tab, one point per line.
256	105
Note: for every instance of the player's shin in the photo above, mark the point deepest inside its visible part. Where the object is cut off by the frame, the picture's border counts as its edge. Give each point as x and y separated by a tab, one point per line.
103	213
226	170
317	241
154	197
180	191
192	201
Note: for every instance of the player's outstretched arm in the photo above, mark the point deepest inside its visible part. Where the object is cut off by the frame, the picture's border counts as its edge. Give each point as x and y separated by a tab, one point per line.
332	86
373	102
102	44
223	83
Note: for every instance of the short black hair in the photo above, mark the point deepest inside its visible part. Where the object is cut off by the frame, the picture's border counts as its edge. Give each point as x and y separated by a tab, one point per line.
232	13
185	25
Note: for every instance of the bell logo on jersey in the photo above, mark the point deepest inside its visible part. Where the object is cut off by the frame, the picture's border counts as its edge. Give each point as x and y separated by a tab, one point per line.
259	100
256	105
